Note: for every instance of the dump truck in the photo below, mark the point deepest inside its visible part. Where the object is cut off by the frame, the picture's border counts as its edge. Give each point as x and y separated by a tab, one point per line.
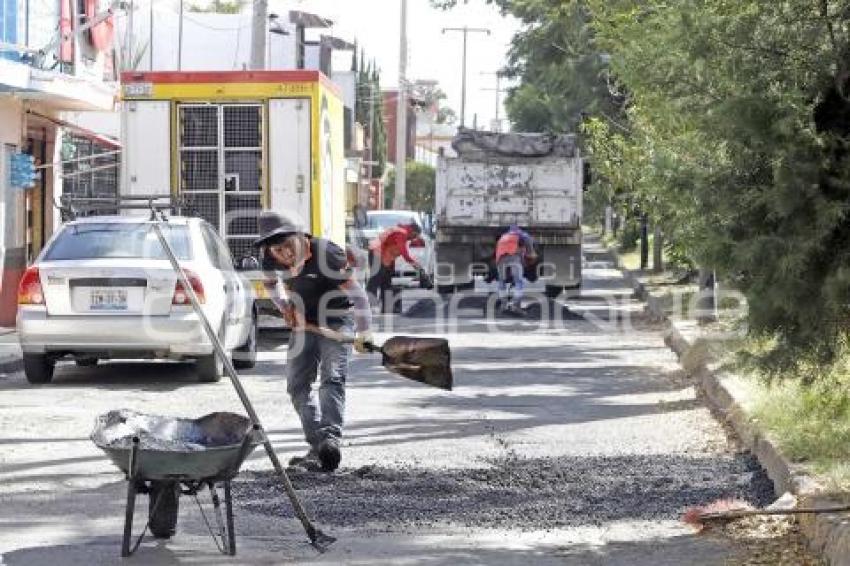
232	143
532	180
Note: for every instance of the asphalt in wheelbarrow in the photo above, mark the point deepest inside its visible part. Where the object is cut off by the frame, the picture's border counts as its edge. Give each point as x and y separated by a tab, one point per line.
173	447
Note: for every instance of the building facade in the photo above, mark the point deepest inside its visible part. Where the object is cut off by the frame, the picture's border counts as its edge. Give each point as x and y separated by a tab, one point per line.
42	76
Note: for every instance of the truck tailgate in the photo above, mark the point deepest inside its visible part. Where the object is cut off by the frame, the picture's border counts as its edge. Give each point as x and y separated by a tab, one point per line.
540	193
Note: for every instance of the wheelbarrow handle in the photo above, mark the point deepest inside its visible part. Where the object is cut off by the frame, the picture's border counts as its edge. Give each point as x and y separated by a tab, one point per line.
337	336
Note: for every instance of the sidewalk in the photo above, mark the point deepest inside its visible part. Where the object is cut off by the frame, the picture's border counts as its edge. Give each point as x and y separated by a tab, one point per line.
10	352
731	397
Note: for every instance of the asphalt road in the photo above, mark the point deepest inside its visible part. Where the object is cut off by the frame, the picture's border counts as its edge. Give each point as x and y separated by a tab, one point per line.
573	441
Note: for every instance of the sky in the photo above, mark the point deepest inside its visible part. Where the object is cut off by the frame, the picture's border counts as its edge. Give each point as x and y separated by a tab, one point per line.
432	55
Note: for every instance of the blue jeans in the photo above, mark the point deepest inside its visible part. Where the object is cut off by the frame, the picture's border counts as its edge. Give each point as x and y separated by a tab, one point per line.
510	267
312	356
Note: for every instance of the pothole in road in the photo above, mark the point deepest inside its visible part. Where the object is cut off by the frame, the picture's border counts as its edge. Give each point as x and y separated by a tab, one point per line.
514	492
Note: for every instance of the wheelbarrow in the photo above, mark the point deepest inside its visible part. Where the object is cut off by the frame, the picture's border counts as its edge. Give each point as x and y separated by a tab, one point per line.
166	457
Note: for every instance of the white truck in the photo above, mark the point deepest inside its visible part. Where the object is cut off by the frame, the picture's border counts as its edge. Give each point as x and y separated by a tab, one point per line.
533	180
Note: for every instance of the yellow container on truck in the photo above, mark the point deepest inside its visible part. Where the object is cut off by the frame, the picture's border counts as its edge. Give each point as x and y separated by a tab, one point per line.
235	142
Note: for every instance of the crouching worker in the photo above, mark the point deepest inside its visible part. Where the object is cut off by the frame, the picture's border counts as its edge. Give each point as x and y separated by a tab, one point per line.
514	248
385	249
320	291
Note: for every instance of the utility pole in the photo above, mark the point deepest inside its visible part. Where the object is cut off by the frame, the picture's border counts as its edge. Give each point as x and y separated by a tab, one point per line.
465	30
180	40
400	198
258	34
129	34
498	91
150	38
372	95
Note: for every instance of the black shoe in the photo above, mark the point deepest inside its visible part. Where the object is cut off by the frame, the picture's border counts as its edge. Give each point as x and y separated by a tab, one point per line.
329	454
308	460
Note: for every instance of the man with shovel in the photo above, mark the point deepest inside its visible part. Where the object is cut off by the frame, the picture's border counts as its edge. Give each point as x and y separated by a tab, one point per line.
320	292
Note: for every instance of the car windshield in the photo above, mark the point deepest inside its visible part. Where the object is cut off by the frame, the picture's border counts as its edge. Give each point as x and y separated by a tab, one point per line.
382	221
118	240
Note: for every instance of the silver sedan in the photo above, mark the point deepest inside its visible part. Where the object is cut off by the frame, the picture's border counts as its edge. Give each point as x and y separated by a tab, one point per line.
103	288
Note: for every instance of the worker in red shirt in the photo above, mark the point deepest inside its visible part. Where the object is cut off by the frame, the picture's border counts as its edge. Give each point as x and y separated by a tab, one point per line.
385	249
514	248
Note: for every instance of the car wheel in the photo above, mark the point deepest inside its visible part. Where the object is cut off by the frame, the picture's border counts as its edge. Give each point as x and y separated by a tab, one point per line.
38	368
445	289
163	507
209	368
245	356
86	362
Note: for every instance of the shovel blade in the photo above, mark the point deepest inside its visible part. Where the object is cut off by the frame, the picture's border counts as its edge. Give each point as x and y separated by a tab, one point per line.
426	360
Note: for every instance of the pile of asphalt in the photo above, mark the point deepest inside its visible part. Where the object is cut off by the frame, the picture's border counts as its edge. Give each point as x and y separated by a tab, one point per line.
517	493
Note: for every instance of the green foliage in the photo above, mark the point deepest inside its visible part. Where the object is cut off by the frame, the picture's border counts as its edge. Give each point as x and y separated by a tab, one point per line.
737	133
420	187
219	7
562	71
811	420
728	123
432	99
370	110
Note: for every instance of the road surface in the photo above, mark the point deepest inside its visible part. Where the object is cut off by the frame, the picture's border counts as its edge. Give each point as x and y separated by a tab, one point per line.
574	442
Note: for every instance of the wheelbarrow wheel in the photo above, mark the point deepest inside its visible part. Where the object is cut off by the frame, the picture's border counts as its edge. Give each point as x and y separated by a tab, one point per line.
163	506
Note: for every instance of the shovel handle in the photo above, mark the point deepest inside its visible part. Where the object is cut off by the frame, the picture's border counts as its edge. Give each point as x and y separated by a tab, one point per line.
338	336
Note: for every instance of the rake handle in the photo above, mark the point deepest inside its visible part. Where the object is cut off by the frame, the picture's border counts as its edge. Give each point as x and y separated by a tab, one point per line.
731	515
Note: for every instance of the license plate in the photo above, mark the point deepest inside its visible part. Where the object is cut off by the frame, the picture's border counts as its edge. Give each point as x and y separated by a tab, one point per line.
108	300
260	290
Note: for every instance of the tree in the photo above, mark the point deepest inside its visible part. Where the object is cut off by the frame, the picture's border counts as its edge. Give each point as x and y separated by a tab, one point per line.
219	7
729	122
431	99
420	187
369	111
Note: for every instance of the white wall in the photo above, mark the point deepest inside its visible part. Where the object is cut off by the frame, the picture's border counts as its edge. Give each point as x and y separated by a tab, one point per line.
106	123
211	42
10	120
347	83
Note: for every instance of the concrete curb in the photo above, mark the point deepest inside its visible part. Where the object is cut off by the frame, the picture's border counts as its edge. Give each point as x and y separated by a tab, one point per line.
828	535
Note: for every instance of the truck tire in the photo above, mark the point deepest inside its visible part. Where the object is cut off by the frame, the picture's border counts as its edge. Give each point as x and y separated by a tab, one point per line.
445	289
554	291
38	368
163	522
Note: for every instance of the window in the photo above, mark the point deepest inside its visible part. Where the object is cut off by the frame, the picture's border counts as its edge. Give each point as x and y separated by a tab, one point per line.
217	251
118	240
